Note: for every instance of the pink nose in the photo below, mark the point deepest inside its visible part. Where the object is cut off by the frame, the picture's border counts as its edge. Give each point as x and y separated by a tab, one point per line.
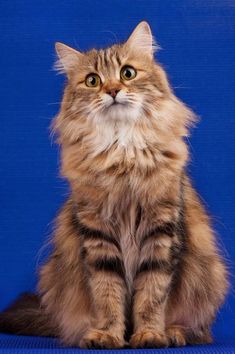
113	93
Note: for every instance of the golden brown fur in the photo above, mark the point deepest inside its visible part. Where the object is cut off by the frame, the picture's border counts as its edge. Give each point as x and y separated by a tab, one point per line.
133	241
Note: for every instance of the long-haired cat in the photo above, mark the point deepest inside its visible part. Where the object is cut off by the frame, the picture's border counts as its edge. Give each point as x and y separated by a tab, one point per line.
134	257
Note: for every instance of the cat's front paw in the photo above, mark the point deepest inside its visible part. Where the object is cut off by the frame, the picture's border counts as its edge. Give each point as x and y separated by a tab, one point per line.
148	339
101	339
176	336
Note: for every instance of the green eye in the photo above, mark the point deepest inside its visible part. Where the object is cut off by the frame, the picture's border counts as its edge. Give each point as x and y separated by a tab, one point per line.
92	80
128	73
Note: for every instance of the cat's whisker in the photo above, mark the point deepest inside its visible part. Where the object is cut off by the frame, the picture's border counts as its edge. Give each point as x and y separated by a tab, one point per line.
97	105
59	103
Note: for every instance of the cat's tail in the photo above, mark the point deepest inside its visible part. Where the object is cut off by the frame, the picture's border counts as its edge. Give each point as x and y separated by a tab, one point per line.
26	317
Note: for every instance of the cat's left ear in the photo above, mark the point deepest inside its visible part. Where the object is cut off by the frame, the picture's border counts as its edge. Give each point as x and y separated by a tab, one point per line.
142	39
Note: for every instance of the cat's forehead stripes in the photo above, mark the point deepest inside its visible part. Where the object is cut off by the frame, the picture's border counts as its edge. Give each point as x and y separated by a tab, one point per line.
107	62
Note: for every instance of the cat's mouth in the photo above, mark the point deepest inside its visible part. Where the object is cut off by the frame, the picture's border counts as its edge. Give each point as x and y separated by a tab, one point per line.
114	103
117	103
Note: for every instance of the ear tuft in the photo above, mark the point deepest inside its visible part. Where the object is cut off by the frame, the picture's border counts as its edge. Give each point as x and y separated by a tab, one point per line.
68	58
142	39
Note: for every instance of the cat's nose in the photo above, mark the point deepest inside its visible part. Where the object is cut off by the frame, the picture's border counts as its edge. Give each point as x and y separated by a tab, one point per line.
113	92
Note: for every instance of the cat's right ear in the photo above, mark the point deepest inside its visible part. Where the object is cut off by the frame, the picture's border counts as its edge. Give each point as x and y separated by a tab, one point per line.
68	58
142	39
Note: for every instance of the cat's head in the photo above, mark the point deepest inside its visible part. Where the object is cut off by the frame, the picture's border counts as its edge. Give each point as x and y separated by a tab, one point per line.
121	84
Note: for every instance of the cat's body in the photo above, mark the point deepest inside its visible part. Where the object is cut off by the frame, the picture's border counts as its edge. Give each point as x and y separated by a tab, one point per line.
133	248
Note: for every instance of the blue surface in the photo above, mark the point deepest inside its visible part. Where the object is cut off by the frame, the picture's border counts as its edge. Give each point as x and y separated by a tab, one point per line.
197	37
20	344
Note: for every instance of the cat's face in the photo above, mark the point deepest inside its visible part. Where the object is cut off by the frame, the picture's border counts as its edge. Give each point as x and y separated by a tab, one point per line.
120	83
118	97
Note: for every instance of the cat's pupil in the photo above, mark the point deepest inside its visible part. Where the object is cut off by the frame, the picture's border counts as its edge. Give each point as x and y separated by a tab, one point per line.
128	73
92	80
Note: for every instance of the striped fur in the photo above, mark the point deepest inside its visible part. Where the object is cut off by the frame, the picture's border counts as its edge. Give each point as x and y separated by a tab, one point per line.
134	259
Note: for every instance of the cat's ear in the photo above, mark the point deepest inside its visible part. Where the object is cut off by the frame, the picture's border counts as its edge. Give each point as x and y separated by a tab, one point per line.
142	39
68	58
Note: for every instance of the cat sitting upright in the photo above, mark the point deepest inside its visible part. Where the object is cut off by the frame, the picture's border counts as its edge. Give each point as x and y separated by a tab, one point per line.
134	257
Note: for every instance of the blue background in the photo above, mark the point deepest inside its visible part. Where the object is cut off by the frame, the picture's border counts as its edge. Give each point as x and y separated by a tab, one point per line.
197	37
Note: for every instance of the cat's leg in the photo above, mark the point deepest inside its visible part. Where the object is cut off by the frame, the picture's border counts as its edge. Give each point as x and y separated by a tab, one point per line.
149	311
179	336
64	292
102	257
82	286
160	244
194	299
200	283
151	287
201	336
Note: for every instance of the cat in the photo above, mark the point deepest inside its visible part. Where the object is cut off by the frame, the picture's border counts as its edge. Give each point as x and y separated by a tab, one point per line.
135	260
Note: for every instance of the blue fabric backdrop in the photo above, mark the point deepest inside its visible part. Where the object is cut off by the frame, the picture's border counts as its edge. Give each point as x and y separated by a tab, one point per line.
197	37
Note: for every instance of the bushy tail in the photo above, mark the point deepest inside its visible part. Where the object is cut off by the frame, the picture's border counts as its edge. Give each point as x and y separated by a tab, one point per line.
25	316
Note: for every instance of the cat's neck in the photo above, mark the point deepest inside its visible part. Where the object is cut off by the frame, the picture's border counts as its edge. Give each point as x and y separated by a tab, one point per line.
124	135
122	150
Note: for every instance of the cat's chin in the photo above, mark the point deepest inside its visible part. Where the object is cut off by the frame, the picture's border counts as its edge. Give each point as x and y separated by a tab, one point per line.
121	112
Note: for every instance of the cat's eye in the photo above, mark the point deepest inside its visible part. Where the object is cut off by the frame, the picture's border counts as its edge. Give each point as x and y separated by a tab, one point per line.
92	80
128	73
